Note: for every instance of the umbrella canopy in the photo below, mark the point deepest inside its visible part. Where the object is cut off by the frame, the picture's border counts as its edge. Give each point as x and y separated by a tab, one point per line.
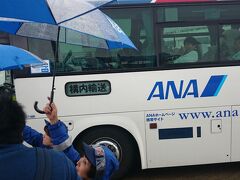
48	11
90	23
12	57
94	29
77	15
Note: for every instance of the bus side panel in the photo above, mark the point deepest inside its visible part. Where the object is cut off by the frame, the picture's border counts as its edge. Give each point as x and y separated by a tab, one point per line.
235	133
211	88
136	91
188	136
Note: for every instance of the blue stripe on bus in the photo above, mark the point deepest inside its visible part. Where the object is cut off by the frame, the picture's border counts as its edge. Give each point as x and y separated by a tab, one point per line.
220	85
175	133
199	134
213	86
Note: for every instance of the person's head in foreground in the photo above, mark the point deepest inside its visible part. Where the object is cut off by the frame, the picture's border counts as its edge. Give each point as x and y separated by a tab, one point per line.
97	162
12	120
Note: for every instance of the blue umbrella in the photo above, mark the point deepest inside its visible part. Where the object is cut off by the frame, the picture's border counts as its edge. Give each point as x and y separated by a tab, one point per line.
20	18
94	29
74	15
12	57
52	12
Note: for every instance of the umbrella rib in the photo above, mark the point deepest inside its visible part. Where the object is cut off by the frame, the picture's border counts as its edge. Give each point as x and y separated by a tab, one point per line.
50	11
69	19
19	28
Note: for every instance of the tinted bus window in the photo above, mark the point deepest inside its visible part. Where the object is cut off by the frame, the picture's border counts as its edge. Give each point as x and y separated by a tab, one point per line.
198	13
186	44
230	42
137	24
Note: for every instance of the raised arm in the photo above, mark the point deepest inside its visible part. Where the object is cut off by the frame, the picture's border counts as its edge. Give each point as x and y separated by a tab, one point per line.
59	134
32	137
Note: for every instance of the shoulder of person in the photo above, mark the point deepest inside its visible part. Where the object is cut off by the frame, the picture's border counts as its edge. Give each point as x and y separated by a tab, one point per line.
192	55
193	52
62	167
58	156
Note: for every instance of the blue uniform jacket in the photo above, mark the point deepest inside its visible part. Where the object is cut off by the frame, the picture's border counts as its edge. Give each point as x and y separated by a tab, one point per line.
59	134
19	162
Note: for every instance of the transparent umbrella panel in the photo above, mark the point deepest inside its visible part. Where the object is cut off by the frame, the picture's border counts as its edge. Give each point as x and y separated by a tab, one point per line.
94	26
85	30
48	11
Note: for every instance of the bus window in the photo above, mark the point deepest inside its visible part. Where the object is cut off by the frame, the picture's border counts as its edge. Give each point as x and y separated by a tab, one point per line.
198	13
230	42
138	25
188	44
42	48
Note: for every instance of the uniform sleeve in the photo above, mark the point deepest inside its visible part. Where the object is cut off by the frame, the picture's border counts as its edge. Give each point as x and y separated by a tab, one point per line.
72	154
62	142
58	132
32	137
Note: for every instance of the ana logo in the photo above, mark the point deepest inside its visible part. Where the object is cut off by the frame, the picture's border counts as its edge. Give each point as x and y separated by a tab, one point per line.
212	88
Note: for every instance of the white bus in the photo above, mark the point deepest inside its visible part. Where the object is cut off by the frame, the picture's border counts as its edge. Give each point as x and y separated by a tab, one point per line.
2	77
150	109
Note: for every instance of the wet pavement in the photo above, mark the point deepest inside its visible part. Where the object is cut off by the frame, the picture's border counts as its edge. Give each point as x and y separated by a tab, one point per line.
229	171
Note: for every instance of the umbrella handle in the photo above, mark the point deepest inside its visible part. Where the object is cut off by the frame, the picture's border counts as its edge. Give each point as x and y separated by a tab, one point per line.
37	109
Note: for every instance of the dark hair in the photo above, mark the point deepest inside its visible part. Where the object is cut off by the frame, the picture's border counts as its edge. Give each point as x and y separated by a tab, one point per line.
190	40
46	130
12	120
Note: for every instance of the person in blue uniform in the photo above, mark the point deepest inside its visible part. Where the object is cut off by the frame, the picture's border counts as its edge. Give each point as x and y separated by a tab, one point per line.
95	162
20	162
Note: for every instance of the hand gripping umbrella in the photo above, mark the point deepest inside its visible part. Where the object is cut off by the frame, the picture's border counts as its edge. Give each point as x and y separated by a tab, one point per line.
90	22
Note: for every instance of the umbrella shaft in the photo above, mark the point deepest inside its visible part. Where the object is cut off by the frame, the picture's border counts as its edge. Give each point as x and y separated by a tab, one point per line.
51	97
54	66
